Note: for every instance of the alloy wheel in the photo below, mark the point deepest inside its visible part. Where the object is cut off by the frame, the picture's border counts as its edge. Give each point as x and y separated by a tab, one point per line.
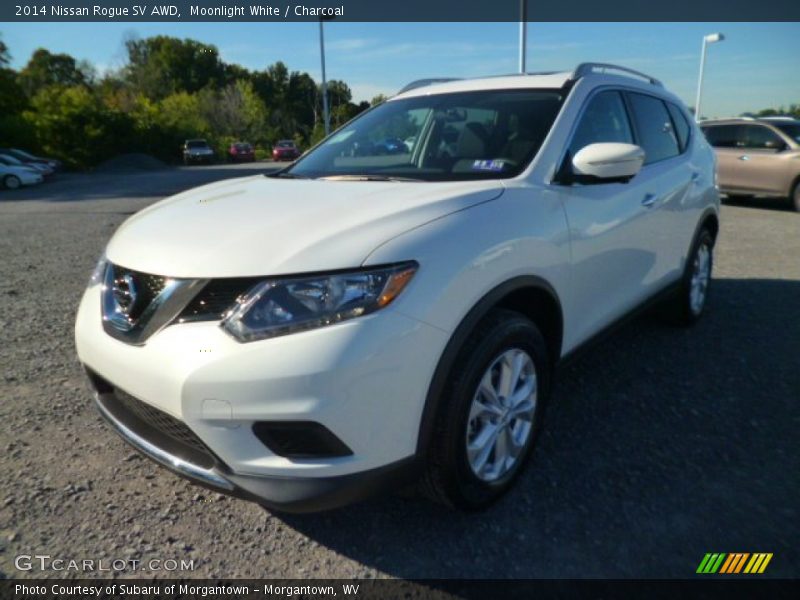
701	273
501	415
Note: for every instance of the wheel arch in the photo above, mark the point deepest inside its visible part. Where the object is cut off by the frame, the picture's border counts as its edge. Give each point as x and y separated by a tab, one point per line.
710	221
530	295
792	185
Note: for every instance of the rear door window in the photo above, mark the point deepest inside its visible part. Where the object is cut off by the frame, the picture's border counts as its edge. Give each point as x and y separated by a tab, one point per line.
760	138
654	128
722	136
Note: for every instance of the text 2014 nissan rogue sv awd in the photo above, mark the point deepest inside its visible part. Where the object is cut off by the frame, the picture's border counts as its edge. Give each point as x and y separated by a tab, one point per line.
362	318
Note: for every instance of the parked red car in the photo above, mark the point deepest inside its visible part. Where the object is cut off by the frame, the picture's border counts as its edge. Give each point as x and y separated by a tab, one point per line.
285	150
241	152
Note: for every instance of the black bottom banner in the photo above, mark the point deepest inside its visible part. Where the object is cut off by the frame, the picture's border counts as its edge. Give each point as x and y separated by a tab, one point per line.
254	589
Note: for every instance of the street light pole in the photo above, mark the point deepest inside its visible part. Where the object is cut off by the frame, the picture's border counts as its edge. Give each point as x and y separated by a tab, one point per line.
708	39
325	115
523	34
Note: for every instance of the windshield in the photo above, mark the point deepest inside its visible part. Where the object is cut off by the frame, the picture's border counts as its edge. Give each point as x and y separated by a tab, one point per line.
442	137
791	129
285	144
196	144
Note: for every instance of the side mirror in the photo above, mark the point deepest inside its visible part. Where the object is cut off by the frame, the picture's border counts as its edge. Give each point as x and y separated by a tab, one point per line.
607	162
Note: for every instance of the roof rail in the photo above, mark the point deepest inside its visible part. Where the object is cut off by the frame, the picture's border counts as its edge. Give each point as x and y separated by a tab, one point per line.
742	118
423	82
584	69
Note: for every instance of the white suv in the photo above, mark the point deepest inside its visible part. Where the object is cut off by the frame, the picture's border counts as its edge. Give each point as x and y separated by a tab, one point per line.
381	311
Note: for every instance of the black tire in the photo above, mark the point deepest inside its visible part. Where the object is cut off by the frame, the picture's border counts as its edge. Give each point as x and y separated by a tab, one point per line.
680	309
795	197
12	182
449	478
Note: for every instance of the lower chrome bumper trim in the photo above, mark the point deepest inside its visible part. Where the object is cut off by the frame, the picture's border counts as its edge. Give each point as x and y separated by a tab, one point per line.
187	469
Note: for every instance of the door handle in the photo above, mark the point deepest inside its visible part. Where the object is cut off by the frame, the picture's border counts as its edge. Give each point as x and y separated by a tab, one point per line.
695	176
744	157
649	200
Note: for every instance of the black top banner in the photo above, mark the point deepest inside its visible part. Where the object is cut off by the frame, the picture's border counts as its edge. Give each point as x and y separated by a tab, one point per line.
397	11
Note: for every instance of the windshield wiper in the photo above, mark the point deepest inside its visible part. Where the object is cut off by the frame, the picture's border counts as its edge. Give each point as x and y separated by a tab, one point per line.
287	175
368	177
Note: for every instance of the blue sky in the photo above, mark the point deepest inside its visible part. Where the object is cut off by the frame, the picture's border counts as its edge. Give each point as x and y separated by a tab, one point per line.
756	67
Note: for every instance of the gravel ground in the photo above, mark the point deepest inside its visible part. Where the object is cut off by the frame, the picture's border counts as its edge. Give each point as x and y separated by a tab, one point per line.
661	444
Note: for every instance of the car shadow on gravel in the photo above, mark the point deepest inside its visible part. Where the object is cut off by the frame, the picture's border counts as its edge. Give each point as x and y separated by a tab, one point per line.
661	444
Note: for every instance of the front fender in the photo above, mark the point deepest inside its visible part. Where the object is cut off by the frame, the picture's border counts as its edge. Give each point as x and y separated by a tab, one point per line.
464	255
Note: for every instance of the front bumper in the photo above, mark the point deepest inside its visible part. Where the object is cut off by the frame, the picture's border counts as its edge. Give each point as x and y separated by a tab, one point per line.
199	157
289	494
31	179
365	380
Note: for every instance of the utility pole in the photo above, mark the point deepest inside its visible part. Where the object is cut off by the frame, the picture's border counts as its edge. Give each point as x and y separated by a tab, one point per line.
325	115
523	33
711	38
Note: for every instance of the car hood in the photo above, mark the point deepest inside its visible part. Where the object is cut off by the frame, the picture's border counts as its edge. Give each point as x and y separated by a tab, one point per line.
266	226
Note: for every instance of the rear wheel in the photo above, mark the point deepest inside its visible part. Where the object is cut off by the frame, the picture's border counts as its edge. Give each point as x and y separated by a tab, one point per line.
490	413
12	182
796	196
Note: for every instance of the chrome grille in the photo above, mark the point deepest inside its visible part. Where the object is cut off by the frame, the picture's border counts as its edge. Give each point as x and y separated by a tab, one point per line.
148	286
136	305
216	298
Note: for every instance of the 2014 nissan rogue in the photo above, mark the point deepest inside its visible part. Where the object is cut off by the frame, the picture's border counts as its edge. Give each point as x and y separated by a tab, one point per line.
364	318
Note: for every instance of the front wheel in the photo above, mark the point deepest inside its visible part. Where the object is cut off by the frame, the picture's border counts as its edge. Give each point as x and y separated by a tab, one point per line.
490	412
686	307
796	196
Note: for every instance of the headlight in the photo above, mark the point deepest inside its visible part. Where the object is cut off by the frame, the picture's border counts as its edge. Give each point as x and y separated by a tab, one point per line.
99	272
277	307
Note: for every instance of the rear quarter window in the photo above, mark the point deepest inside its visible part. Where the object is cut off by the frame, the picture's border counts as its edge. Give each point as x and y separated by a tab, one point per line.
682	127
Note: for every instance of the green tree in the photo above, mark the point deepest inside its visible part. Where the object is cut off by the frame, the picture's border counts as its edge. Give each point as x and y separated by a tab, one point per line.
236	113
72	123
5	56
162	65
12	96
183	114
792	111
46	69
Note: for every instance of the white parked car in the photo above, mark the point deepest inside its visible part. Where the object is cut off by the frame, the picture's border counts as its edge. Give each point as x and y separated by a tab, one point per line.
13	177
357	321
11	161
